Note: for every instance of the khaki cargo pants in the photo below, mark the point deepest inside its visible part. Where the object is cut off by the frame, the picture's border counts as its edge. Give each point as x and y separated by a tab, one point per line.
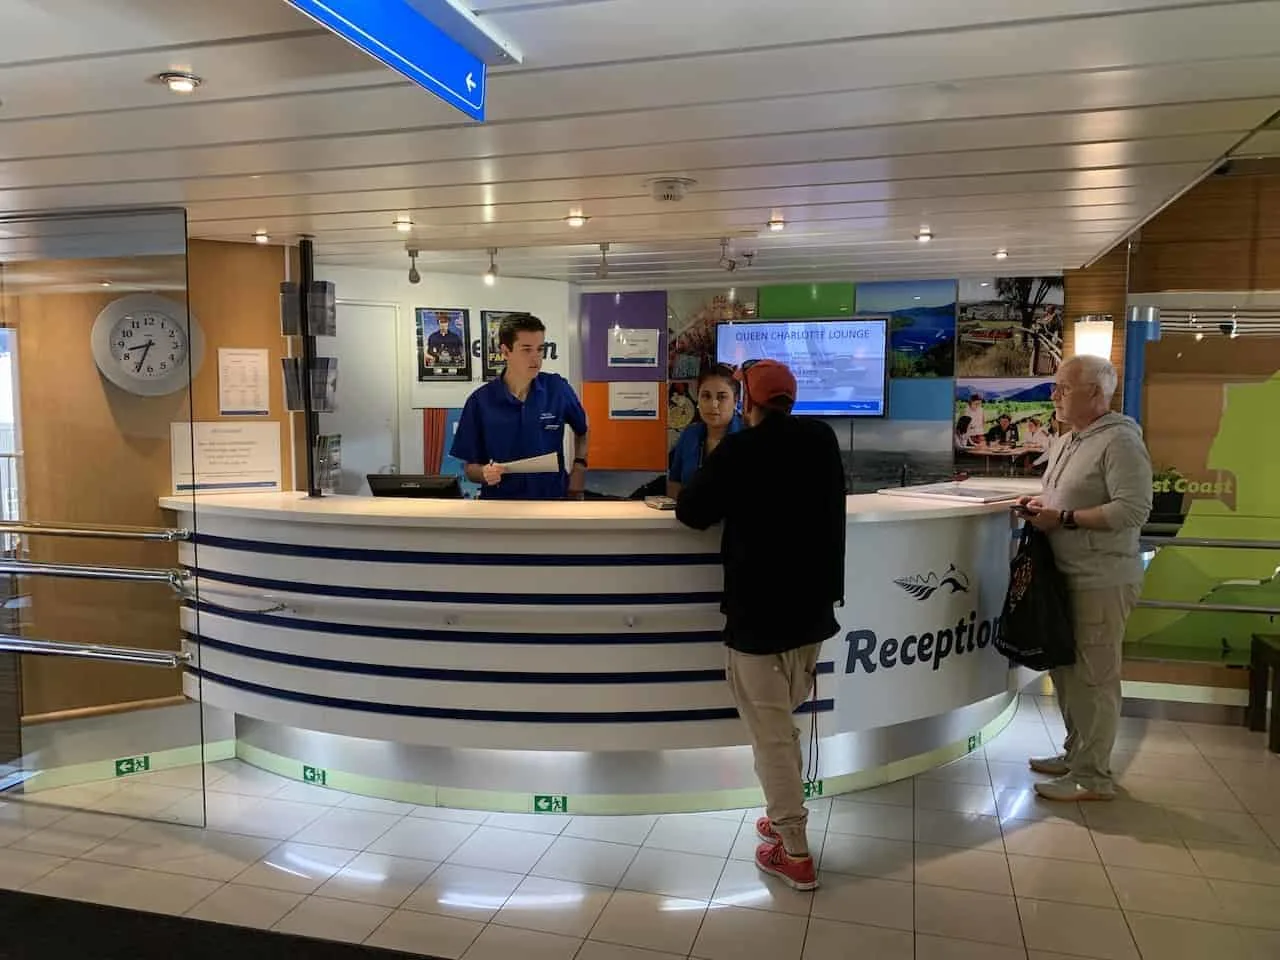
767	690
1089	690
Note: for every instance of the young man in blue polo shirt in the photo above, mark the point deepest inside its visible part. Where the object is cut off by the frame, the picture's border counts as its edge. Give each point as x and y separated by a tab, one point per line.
522	414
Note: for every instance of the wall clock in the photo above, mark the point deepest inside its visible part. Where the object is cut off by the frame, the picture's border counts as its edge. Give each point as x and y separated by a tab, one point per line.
144	344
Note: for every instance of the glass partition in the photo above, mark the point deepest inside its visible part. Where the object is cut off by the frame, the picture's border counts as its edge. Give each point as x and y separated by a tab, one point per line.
97	355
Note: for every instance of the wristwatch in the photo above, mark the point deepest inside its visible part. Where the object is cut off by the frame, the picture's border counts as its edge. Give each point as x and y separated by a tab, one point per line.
1069	520
580	460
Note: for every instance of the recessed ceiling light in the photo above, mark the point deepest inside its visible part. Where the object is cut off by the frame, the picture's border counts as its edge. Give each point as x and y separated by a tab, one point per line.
177	82
984	283
576	220
262	237
105	283
1001	254
1199	336
403	223
924	235
777	225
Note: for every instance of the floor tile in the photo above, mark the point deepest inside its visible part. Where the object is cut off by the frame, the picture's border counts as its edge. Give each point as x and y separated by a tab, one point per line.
1168	894
124	887
595	950
744	847
245	906
877	903
1246	864
955	797
449	815
346	828
872	820
19	819
1012	775
310	793
1168	856
900	793
17	870
466	892
296	867
73	835
665	924
686	876
971	831
509	850
586	861
142	800
423	839
190	851
1035	878
1259	944
259	816
964	915
1166	938
630	830
1024	803
327	919
712	838
410	932
378	878
1076	930
1054	841
742	885
1248	904
354	801
1181	793
867	857
191	777
548	823
236	776
1216	826
832	940
939	948
959	869
503	943
730	933
554	906
1128	818
971	769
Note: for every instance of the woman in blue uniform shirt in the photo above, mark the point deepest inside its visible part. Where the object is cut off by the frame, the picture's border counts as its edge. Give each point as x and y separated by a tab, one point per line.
717	396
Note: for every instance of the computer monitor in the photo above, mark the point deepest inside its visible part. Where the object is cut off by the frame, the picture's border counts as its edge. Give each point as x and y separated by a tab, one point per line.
417	485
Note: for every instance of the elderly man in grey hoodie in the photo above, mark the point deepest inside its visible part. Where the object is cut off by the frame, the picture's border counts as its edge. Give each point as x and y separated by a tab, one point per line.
1095	499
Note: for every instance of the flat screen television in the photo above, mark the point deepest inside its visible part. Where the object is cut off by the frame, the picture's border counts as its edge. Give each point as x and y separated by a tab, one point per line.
841	365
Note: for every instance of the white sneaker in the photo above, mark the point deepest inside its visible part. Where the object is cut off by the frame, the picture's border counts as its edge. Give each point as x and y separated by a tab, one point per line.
1067	790
1051	766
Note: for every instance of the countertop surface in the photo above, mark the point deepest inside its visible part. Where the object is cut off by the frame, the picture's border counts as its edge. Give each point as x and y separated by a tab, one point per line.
596	514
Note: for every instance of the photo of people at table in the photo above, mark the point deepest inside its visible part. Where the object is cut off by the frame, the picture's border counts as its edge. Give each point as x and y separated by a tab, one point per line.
1003	426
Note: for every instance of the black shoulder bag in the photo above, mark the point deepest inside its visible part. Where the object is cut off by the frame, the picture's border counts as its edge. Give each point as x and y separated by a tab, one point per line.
1036	628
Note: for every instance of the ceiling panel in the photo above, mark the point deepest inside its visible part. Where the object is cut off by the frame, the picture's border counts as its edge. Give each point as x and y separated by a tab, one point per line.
1053	129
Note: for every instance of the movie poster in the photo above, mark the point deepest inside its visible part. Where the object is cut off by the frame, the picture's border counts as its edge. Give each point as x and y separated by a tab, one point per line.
443	338
490	349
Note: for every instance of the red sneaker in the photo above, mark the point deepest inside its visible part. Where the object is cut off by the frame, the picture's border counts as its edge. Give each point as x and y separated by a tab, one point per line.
765	831
797	872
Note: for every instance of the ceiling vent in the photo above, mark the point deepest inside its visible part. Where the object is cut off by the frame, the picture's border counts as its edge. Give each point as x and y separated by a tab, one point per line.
670	189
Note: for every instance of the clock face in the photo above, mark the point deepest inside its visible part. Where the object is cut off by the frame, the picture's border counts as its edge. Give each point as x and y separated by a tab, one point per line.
149	345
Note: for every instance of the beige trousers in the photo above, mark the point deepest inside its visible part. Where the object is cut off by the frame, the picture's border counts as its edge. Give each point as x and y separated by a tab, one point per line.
1089	690
767	690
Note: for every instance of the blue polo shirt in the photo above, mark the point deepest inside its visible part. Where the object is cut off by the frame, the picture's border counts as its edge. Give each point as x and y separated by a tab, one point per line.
690	450
497	427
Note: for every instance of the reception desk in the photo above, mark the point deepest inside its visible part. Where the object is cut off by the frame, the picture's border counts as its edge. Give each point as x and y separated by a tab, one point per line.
515	655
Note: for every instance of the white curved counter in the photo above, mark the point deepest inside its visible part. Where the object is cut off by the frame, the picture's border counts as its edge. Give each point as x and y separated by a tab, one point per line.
498	651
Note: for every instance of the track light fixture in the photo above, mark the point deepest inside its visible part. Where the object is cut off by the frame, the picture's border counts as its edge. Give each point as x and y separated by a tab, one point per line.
414	275
403	223
602	271
924	235
491	275
726	262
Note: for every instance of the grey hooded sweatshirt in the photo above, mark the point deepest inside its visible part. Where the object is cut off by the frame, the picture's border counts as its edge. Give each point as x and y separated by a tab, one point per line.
1105	465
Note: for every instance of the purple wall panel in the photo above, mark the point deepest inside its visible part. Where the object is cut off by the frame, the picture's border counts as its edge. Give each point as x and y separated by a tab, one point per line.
637	311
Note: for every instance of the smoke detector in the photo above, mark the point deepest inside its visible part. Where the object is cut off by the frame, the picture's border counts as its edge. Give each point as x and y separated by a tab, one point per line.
670	189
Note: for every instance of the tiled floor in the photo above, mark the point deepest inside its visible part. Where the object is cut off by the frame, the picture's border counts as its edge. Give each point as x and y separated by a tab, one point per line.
961	863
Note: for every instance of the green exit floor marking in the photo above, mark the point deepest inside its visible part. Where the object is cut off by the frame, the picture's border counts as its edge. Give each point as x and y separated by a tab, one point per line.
812	789
315	775
131	765
548	804
975	742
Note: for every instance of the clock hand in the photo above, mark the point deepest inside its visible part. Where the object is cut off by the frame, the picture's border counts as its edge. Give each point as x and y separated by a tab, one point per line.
146	348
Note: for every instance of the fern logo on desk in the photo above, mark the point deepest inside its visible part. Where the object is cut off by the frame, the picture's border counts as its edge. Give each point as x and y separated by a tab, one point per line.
923	587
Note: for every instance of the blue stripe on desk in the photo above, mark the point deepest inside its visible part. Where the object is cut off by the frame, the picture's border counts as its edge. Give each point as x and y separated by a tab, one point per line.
466	676
492	716
435	596
453	636
365	555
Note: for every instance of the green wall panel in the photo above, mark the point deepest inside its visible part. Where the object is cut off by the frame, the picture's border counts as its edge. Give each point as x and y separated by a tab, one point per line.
798	301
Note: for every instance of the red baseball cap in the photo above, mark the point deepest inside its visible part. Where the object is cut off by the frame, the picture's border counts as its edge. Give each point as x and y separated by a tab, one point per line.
767	381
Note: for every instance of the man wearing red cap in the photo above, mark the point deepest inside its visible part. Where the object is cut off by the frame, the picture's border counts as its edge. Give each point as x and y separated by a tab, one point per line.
779	489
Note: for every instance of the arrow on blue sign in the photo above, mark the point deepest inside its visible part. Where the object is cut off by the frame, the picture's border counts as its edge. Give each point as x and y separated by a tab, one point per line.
407	42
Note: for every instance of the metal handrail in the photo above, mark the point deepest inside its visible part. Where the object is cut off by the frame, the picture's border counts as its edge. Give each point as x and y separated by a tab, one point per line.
1205	542
86	651
86	531
80	571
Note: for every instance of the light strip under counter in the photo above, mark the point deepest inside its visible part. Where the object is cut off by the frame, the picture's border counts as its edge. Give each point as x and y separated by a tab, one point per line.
498	633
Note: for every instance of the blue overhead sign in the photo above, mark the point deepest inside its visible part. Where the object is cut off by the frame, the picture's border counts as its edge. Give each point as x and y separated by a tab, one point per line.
409	43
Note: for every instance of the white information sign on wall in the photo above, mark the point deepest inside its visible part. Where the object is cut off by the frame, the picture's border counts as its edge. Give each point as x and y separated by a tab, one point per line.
225	457
634	401
243	382
634	348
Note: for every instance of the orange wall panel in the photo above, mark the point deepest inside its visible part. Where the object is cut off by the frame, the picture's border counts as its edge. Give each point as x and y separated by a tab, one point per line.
624	444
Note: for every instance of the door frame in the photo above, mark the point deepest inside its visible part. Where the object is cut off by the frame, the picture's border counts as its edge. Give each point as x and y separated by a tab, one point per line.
401	391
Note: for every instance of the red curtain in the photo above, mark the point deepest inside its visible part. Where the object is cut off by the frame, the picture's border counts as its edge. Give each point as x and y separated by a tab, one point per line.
433	439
